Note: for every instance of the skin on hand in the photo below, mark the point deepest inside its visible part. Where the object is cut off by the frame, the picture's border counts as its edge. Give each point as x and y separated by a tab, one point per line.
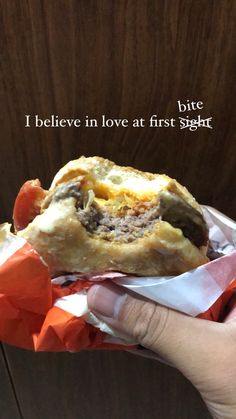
204	351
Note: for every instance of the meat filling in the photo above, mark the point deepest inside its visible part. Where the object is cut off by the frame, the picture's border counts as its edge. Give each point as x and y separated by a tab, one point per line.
69	189
182	215
125	229
133	224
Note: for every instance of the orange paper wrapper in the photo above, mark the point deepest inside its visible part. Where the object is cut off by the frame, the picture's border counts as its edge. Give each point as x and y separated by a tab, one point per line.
28	317
41	314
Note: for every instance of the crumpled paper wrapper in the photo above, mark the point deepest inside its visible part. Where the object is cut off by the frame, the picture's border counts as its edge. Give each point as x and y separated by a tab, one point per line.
44	314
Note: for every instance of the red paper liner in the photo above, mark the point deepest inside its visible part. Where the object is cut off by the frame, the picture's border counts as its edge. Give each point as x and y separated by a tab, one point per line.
28	318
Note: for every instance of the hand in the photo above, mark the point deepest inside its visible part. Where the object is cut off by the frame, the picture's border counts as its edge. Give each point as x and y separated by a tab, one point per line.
204	351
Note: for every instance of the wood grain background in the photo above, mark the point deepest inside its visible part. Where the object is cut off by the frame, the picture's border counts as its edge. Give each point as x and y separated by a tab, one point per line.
124	59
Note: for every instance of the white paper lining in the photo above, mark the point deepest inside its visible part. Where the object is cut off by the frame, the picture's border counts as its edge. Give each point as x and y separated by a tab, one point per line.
192	292
9	243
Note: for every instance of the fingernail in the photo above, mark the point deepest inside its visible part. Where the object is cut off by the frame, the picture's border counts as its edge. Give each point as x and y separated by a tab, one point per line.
106	299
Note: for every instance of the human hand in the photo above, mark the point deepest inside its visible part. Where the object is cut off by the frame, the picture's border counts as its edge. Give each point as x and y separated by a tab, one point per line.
204	351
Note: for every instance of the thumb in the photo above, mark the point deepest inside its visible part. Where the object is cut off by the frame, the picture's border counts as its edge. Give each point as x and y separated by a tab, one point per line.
183	341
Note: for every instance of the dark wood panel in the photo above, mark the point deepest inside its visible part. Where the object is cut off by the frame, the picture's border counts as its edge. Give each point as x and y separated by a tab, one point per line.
101	385
8	404
123	59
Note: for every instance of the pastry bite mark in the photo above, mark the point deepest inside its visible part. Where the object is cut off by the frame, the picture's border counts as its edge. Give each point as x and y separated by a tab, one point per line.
100	217
123	219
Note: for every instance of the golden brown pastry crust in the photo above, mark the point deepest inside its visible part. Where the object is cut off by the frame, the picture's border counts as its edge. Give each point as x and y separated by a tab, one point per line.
66	245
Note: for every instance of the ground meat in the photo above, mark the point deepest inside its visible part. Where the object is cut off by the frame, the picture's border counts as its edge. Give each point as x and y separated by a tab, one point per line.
135	222
182	215
90	218
125	229
69	189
